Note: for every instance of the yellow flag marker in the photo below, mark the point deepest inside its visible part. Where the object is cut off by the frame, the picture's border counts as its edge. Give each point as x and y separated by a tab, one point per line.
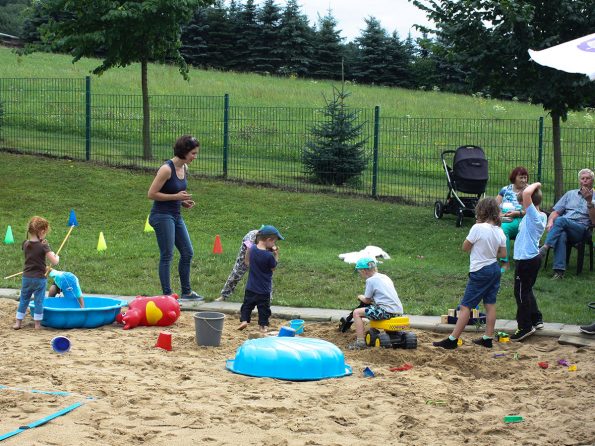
101	246
148	227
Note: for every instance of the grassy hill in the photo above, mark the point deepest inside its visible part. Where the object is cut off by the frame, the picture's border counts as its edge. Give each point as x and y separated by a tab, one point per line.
270	122
267	91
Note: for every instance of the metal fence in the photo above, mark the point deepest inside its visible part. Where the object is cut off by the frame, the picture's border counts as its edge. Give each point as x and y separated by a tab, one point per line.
264	145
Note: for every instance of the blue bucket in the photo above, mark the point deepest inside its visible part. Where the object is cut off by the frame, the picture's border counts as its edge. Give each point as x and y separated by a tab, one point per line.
297	325
60	344
287	332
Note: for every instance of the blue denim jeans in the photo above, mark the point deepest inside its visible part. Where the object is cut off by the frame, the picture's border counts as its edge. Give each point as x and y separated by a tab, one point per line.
562	231
171	231
483	284
35	287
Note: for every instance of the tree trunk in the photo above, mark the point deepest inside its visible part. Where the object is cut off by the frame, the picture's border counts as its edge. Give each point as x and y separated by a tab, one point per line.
147	152
558	171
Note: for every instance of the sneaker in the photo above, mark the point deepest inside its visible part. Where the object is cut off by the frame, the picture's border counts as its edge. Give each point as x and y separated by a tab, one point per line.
192	297
446	343
357	345
543	251
519	335
483	342
538	325
589	329
558	274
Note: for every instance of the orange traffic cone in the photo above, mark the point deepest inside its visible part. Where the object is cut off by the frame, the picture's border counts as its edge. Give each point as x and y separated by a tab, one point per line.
217	248
164	341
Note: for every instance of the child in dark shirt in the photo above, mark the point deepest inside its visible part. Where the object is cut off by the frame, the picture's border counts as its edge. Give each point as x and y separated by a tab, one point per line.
36	250
262	260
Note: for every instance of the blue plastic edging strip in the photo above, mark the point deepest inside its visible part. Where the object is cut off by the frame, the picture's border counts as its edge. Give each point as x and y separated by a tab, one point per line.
40	421
44	392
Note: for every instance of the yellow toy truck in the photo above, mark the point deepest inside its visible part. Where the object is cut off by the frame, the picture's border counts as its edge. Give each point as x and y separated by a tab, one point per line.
391	333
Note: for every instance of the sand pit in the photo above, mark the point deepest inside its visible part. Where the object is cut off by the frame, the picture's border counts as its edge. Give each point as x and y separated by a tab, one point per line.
186	397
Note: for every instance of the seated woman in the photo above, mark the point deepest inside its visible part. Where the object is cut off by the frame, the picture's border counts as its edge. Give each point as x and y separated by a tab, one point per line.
512	210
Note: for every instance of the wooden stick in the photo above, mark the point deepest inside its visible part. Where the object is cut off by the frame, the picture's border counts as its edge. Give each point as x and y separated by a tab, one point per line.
14	275
57	252
64	241
47	271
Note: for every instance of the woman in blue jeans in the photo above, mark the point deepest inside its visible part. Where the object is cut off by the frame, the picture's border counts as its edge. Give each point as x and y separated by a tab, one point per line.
168	190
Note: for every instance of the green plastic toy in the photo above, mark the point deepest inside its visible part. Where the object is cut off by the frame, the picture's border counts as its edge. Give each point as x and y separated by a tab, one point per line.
513	419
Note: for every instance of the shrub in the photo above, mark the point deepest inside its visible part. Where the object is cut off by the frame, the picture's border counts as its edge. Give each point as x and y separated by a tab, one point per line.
335	155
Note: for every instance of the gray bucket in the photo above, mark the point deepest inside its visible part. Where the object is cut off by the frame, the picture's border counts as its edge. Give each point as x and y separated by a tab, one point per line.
209	326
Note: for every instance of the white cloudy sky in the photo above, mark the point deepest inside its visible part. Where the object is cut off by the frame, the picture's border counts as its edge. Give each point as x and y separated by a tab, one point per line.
399	15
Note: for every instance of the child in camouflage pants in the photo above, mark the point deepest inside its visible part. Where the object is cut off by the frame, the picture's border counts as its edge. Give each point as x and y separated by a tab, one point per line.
239	267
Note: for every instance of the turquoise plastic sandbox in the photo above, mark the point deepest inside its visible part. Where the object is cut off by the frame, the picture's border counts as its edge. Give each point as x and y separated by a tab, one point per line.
289	358
65	312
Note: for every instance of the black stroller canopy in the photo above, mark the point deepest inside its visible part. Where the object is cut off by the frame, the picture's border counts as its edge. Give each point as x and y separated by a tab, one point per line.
470	163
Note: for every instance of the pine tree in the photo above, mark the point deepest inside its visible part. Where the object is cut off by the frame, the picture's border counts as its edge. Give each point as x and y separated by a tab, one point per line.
194	47
220	38
247	31
400	55
267	52
336	153
328	50
372	65
295	41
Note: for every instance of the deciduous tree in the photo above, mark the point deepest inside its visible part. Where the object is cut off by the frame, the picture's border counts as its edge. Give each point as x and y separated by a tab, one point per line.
129	31
489	39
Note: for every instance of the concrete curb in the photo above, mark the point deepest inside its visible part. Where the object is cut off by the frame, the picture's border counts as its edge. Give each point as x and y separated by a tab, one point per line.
428	323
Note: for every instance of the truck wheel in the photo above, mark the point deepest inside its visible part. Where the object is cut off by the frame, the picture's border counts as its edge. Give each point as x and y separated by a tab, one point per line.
372	339
410	340
385	340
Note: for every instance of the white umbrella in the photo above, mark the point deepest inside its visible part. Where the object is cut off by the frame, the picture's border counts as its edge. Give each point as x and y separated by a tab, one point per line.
576	56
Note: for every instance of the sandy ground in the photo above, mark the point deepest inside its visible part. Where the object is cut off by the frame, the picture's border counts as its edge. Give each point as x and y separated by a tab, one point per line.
144	395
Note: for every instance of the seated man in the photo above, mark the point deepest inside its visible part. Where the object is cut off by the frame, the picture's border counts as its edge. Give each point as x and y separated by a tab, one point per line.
570	220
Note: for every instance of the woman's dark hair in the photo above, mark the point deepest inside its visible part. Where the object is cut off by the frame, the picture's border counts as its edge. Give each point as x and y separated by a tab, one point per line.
184	145
516	172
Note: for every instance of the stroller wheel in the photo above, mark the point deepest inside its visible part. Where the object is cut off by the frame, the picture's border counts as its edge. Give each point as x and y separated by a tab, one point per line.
438	209
460	218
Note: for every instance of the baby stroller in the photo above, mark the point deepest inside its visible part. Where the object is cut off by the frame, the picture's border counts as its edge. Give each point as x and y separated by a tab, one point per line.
469	175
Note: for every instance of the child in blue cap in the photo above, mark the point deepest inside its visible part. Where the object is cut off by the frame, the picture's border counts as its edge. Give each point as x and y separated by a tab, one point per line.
67	284
261	259
380	297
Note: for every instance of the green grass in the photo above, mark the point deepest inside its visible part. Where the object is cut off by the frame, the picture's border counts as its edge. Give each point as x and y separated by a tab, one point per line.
427	265
261	91
270	122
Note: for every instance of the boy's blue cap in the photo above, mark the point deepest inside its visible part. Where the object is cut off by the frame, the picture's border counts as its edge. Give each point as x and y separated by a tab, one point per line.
270	230
366	263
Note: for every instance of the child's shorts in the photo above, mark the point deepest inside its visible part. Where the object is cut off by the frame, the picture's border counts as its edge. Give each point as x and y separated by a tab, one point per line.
377	313
483	284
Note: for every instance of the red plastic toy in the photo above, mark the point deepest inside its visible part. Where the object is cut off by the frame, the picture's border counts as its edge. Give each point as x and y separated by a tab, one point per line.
156	310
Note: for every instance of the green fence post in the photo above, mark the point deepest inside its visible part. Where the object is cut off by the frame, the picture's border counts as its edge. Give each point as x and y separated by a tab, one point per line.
540	150
375	159
88	118
225	133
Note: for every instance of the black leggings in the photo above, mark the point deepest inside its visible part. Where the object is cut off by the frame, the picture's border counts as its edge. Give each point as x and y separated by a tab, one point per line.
525	275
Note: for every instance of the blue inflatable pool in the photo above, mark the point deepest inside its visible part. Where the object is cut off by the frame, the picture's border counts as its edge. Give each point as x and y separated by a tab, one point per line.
65	312
293	359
